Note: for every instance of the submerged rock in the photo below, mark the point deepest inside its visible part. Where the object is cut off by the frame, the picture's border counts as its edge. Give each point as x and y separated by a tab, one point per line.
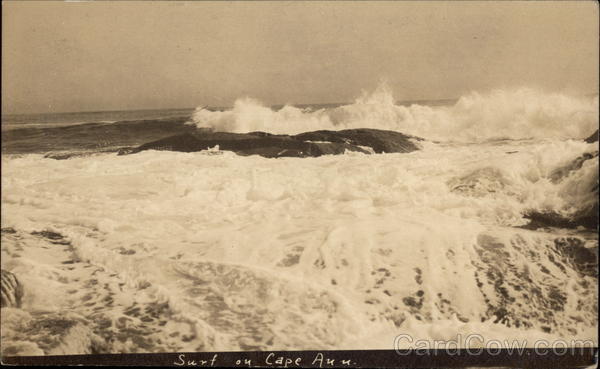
586	218
562	172
583	259
479	183
310	144
538	219
587	214
523	281
12	290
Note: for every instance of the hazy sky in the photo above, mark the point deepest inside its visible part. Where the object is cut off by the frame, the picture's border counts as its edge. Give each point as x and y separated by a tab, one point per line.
78	56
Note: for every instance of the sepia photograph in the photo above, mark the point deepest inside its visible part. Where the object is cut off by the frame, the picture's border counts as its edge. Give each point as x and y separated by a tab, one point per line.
300	183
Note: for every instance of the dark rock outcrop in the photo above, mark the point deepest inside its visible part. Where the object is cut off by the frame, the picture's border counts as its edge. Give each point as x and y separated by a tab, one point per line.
379	140
52	237
8	230
267	146
592	138
11	290
584	260
587	214
310	144
560	173
586	218
538	219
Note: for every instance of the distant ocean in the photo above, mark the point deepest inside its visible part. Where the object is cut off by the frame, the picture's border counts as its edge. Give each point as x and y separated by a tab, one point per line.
91	131
107	131
163	251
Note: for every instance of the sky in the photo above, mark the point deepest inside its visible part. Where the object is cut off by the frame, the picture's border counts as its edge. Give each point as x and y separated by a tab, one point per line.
91	56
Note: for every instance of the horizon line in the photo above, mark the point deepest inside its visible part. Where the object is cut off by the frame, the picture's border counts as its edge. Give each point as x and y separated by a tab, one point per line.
220	107
276	106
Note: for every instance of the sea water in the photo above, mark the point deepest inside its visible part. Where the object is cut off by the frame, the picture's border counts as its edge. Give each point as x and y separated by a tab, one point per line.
167	251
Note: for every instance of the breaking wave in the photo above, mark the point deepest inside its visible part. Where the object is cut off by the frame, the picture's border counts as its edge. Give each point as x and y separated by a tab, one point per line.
514	114
166	251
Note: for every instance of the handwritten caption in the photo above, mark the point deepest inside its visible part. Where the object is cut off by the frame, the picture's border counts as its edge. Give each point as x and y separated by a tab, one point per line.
271	360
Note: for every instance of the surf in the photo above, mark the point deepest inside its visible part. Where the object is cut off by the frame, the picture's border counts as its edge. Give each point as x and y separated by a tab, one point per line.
165	250
518	113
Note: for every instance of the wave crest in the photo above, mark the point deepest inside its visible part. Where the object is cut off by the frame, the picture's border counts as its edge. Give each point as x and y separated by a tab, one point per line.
514	114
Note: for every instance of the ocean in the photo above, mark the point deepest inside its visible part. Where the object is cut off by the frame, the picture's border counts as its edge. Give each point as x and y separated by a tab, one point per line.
164	251
87	131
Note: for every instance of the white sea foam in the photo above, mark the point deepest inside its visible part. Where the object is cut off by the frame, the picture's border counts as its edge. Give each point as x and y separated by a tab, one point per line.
515	114
332	252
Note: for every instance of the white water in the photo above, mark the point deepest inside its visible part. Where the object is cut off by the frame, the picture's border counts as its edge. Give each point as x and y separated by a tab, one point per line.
515	114
311	253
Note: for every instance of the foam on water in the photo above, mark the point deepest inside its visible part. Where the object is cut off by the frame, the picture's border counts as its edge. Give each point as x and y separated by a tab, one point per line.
213	251
515	114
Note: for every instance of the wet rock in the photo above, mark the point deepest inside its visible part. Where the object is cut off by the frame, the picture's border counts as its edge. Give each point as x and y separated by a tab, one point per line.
381	141
586	218
559	174
49	235
310	144
479	183
248	144
61	155
52	237
583	259
547	219
126	150
587	214
11	290
592	138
